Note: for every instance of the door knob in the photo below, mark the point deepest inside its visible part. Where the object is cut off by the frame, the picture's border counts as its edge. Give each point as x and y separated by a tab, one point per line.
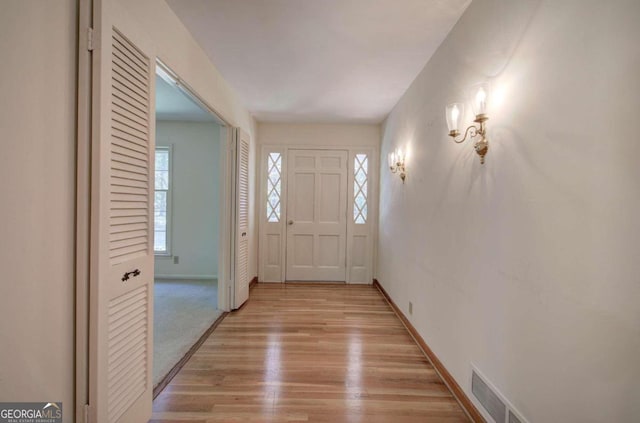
290	222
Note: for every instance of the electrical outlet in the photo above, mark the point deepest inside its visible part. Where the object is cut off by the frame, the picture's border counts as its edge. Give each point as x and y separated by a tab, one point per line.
176	259
410	307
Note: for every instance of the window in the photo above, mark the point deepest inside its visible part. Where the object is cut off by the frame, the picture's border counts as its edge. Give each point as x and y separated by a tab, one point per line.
274	184
360	172
161	201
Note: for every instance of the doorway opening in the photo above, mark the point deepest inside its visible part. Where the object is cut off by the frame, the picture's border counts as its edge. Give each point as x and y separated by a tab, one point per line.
189	205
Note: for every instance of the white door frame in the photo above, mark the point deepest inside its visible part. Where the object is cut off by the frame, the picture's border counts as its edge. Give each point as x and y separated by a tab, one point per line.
272	236
226	195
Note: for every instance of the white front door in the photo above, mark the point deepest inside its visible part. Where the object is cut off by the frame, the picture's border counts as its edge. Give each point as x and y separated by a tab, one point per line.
316	215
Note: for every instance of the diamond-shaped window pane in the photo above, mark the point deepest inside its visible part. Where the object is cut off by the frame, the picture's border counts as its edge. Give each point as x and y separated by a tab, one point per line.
360	169
274	186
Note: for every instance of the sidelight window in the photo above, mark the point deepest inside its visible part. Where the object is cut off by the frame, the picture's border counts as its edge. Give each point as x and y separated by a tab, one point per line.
274	186
360	193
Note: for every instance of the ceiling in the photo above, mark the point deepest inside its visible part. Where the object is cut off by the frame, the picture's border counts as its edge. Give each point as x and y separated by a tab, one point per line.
319	60
174	104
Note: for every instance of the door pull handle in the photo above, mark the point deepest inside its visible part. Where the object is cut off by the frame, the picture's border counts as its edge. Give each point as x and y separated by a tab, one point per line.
132	274
290	222
244	234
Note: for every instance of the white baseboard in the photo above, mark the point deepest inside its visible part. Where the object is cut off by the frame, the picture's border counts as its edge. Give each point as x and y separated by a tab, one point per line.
186	277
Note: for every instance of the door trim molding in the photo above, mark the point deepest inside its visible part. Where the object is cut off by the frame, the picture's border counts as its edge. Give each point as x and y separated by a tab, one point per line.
227	188
83	210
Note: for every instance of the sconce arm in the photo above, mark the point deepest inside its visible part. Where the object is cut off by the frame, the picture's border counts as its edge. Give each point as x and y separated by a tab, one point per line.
471	131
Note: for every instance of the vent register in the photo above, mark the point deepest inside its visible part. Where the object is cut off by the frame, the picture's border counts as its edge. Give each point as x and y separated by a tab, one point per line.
499	409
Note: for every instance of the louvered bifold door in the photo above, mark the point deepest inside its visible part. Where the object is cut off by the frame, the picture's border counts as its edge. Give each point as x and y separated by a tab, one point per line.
242	218
122	223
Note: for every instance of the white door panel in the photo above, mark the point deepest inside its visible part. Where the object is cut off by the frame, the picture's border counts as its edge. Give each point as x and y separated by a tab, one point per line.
242	219
121	279
316	215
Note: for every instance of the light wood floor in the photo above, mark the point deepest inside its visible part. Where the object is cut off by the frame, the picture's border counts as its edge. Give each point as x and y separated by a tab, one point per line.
308	353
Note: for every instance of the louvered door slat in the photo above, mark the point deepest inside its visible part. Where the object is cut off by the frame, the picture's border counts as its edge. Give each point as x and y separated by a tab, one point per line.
117	230
124	92
124	72
119	330
132	118
123	369
124	176
127	153
129	234
129	165
126	102
123	150
127	190
117	195
121	133
123	45
123	184
124	124
129	71
126	223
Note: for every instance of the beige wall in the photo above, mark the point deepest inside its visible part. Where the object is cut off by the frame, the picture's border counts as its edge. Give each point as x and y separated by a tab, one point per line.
309	134
527	266
178	50
37	168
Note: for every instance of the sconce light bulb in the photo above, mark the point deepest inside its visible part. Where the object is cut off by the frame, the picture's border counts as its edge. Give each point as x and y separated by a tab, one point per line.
481	99
455	114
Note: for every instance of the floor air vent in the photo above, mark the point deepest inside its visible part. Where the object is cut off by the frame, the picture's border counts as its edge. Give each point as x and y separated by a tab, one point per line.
513	418
493	401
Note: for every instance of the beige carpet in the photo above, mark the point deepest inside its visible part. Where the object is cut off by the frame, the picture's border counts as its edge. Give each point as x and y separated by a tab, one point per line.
183	311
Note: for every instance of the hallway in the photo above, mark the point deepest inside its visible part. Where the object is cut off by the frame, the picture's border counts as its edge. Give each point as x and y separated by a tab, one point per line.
309	353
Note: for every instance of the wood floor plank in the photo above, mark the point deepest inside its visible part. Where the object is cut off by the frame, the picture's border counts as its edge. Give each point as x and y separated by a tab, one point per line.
308	353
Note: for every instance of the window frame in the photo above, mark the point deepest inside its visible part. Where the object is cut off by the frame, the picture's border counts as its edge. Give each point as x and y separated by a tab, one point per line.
169	208
357	189
276	212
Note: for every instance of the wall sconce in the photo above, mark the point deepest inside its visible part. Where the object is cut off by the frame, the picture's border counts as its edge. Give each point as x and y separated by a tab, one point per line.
455	112
396	163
